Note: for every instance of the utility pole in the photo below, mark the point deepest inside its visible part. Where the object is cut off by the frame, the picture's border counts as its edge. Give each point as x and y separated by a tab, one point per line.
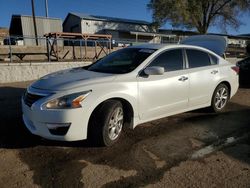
34	20
46	8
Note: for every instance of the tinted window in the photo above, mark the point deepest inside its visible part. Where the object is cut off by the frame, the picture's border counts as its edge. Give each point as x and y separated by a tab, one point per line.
121	61
171	60
197	58
214	60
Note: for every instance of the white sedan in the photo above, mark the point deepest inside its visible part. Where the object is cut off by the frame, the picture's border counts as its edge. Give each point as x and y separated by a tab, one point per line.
129	87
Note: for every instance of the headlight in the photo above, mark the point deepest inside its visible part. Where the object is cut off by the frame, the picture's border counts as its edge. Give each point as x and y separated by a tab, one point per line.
68	101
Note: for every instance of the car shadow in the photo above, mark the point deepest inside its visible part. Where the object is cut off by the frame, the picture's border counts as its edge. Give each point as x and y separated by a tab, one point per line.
62	164
13	133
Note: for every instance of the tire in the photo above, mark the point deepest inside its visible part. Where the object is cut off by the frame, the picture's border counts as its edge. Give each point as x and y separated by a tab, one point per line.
106	123
220	98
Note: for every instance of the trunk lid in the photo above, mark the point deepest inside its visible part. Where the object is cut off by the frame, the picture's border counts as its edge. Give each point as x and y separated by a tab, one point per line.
215	43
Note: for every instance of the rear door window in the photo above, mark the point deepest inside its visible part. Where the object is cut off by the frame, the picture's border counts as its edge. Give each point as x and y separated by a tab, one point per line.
197	58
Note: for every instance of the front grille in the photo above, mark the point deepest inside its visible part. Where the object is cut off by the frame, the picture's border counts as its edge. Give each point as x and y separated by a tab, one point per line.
29	98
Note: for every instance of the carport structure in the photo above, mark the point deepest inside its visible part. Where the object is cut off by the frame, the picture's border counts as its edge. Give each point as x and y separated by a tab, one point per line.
78	39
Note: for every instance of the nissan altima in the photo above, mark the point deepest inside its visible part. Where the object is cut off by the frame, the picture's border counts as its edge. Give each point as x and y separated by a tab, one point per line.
128	87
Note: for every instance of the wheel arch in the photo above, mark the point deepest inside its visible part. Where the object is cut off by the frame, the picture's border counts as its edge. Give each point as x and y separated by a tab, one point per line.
221	82
127	107
213	107
227	84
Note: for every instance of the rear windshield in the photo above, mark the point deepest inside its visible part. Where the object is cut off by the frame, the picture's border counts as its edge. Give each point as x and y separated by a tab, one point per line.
121	61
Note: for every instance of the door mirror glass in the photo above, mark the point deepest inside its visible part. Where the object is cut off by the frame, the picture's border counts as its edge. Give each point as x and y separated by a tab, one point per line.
155	70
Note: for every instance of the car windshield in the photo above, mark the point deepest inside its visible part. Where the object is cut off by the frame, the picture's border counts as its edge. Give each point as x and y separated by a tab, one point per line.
121	61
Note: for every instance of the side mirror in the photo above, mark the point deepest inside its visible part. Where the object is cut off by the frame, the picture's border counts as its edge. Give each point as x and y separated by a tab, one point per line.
155	70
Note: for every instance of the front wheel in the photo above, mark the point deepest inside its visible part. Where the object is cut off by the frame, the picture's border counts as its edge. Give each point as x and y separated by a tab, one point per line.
220	98
107	123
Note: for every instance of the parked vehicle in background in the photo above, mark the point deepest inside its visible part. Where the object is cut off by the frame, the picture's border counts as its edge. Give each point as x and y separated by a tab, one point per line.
9	41
13	41
244	66
128	87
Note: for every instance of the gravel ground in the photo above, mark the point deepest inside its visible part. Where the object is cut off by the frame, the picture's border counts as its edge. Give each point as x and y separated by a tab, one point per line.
156	154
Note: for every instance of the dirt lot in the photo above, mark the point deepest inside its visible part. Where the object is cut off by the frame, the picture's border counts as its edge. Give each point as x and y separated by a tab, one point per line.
156	154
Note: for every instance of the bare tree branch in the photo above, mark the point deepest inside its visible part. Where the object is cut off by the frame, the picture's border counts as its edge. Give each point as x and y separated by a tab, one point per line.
199	14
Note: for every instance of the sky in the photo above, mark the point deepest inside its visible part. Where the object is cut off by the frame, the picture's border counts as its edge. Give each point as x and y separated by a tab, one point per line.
130	9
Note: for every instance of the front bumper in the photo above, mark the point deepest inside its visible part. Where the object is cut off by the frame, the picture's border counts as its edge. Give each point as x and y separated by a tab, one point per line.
39	121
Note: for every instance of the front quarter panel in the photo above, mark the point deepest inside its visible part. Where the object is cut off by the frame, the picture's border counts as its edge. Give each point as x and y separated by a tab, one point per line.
103	92
37	117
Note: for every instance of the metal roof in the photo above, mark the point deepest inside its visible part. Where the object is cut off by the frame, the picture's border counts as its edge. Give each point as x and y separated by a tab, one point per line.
243	37
29	16
106	18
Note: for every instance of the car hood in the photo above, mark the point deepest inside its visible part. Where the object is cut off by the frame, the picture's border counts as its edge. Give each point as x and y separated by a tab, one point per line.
70	78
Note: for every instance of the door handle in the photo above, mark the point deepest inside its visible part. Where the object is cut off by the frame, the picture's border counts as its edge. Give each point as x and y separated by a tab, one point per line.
183	78
214	72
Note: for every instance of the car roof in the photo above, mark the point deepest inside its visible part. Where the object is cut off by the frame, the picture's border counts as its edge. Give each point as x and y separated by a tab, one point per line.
160	46
247	59
150	46
213	43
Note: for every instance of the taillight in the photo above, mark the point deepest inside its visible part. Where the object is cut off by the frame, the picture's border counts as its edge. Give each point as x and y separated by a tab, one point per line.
236	69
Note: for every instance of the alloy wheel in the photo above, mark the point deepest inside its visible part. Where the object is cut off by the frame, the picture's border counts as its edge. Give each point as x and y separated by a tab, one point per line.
115	123
221	98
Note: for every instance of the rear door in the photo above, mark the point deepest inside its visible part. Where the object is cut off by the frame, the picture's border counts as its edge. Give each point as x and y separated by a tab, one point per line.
203	76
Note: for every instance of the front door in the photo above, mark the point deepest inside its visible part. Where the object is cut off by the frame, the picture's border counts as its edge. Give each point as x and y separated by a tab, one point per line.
160	95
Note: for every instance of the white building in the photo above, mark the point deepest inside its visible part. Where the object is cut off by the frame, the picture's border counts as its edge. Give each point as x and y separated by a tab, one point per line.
119	28
83	23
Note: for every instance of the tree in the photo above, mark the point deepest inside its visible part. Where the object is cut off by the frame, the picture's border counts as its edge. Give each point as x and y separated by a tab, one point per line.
199	14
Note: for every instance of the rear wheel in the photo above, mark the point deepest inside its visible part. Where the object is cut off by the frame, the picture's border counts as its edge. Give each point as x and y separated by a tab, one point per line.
220	98
106	123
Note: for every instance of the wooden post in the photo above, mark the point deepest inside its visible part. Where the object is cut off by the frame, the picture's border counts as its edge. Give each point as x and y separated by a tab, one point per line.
34	20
